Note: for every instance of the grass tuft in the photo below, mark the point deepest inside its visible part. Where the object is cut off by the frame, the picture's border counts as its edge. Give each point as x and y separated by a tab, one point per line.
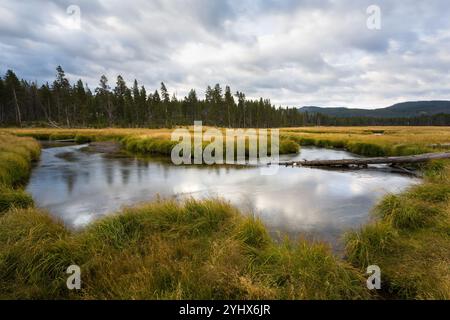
253	233
410	241
378	237
11	198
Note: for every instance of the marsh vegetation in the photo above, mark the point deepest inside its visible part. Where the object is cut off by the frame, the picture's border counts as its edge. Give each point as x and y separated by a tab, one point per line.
208	249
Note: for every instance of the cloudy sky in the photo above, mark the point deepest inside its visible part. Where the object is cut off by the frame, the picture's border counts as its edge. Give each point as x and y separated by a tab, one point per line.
295	52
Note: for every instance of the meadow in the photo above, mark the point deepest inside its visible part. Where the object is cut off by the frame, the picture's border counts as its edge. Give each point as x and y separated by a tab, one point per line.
139	141
367	141
209	250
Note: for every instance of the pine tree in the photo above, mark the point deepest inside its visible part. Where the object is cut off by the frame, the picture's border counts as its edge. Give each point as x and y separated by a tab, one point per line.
13	88
191	104
120	91
229	102
141	105
2	102
136	112
104	97
80	102
241	109
62	91
158	109
165	102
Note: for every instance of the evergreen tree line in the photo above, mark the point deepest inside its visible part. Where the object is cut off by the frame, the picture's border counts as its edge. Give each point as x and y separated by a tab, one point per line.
62	104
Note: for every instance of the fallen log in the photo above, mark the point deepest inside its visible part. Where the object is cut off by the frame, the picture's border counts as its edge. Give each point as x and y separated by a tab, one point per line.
440	145
362	162
65	140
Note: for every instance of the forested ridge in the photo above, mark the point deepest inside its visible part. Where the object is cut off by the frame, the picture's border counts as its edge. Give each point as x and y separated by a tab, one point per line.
62	104
407	109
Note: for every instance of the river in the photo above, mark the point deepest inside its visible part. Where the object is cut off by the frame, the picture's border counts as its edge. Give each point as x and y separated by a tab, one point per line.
79	187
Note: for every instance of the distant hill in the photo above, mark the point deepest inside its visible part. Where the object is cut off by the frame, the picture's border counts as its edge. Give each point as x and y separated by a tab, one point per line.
399	110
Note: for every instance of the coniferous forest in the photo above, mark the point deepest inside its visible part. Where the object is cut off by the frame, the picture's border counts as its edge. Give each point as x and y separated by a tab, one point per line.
62	104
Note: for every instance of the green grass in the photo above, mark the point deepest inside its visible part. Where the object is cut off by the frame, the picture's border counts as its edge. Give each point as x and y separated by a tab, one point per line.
288	146
148	145
162	146
13	198
366	141
408	212
370	147
167	250
139	141
410	240
16	156
372	142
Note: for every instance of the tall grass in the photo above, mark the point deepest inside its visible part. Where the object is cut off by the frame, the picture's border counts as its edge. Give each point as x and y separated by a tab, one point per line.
167	250
14	198
366	141
148	145
410	240
141	141
392	140
16	155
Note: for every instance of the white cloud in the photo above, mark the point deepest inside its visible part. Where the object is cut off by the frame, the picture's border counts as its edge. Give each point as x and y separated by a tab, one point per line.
294	52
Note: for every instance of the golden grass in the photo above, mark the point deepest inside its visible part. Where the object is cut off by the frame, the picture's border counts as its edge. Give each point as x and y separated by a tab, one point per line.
370	141
374	141
143	141
16	155
410	241
167	250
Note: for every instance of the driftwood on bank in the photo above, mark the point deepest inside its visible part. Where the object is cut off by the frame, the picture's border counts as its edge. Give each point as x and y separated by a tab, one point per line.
363	162
66	140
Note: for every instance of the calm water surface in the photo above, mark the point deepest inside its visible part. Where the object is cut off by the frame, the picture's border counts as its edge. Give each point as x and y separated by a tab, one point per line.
79	187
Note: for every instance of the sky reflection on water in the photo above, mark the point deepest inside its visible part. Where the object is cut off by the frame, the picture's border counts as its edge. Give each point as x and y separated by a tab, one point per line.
79	187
